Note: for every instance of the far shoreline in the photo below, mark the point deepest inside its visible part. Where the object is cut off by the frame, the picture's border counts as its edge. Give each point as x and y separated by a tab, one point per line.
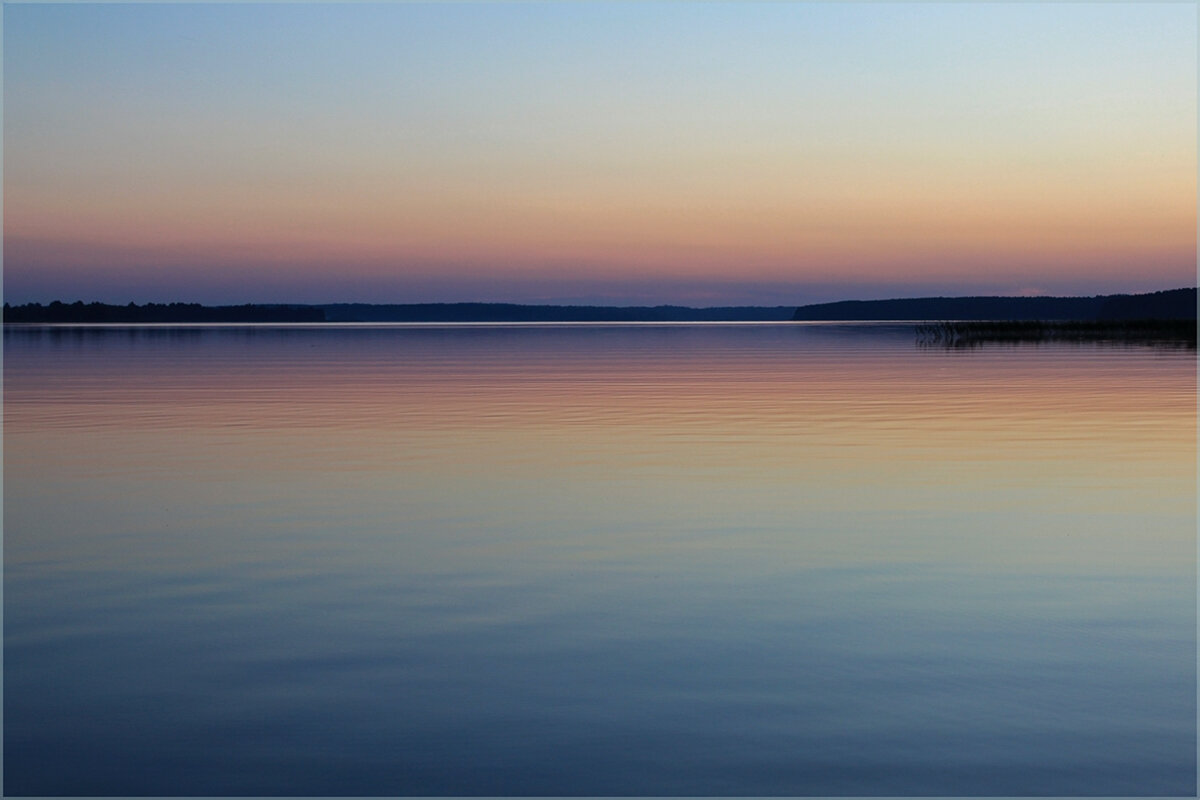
1173	304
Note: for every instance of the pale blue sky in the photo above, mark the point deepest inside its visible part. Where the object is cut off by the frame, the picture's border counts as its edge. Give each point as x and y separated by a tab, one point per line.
257	152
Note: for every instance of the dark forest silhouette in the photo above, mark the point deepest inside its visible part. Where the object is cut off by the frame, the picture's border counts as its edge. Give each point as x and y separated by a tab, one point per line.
1171	304
78	312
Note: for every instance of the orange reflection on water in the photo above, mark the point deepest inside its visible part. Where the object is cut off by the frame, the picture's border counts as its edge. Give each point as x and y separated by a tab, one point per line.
1065	453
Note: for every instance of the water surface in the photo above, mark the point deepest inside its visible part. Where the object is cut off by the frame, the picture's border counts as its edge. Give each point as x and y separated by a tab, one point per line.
595	560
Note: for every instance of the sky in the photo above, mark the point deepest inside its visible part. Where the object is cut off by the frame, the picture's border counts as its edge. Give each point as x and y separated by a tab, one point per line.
617	153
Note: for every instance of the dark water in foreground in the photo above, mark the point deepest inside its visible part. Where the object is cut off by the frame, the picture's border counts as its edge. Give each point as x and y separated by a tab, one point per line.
595	560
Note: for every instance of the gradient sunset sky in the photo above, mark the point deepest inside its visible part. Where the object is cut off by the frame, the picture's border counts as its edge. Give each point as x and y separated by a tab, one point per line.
620	153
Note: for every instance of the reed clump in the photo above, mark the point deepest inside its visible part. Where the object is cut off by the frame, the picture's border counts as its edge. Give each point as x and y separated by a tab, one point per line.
965	333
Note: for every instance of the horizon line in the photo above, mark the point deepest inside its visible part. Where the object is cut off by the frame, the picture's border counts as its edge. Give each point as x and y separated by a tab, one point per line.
560	304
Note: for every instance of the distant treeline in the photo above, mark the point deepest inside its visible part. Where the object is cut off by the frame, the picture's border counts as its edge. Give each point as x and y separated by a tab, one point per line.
1171	304
79	312
512	312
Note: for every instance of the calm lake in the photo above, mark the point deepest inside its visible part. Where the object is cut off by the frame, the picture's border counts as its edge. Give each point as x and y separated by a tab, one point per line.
739	559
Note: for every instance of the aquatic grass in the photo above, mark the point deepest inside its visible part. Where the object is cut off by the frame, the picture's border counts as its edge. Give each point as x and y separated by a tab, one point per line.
967	333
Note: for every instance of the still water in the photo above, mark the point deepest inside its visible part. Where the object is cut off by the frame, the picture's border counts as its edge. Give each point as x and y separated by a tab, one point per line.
793	559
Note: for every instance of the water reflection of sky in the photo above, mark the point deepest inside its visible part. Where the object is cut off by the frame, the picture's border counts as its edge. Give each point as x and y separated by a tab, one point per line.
596	560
